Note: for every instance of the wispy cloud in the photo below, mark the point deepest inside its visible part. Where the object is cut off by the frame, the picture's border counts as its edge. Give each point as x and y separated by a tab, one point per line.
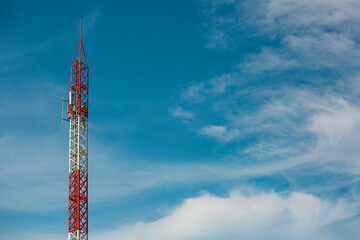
90	19
179	112
198	92
313	34
333	124
315	125
194	92
314	50
218	40
268	59
293	103
291	15
337	128
12	50
220	133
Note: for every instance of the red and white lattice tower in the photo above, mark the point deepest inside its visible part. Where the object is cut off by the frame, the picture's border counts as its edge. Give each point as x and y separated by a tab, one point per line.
78	145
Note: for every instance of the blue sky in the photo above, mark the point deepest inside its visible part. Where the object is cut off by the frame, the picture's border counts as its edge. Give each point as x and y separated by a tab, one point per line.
217	119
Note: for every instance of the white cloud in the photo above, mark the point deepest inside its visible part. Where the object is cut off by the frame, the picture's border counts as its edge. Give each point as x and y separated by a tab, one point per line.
220	83
312	50
220	133
312	34
179	112
199	92
320	48
288	14
268	59
193	92
303	123
294	126
253	216
335	122
315	33
218	40
337	127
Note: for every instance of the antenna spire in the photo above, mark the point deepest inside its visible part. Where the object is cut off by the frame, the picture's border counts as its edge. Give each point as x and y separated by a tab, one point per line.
80	27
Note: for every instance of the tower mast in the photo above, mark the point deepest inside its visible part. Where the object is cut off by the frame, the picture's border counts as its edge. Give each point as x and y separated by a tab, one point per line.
78	145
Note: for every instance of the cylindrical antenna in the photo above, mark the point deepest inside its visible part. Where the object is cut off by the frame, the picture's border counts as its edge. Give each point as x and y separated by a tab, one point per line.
80	44
80	27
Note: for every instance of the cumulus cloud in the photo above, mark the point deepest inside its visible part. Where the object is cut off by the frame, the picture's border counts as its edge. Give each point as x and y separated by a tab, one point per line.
250	216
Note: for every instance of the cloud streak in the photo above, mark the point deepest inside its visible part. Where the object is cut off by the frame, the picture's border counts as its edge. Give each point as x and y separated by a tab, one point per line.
220	133
292	103
179	112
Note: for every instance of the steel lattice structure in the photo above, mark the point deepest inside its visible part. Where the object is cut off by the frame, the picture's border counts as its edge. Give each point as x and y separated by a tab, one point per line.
78	145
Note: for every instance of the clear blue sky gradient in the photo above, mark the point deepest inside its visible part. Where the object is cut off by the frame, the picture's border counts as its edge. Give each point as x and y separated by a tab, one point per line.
186	98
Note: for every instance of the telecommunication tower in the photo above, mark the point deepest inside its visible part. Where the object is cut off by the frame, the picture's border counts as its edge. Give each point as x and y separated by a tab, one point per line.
77	108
